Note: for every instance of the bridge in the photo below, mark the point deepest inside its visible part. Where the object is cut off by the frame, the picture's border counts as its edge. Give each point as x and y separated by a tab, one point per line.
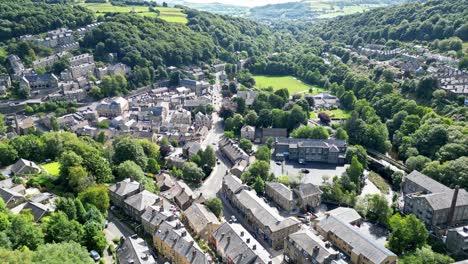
383	161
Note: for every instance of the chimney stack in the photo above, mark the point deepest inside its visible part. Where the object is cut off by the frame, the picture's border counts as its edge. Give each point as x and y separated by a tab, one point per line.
453	206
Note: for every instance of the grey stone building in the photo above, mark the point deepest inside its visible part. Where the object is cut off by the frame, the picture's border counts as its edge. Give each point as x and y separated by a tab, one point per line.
457	241
310	150
305	247
437	205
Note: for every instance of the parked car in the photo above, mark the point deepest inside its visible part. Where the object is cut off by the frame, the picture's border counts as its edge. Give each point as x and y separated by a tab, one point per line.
95	255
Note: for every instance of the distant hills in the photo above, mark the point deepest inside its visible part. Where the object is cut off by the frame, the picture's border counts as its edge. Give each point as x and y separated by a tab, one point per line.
293	11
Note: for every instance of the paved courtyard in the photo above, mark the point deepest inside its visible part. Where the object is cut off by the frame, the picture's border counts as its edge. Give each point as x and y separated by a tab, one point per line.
316	171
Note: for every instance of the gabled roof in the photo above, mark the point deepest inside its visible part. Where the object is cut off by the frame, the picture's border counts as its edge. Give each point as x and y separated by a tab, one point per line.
141	200
233	183
135	251
155	215
180	241
281	189
21	164
8	195
38	210
347	215
199	217
426	182
360	243
307	241
124	187
307	189
238	245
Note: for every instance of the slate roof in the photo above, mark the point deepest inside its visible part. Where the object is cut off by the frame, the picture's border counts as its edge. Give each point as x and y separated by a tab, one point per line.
347	215
233	183
142	199
360	243
21	163
426	182
301	142
281	189
199	217
307	241
155	215
307	189
38	210
179	240
439	201
263	212
232	239
135	251
124	187
8	195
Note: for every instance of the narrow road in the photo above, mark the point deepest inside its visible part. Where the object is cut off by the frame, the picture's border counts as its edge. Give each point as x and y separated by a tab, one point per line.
115	229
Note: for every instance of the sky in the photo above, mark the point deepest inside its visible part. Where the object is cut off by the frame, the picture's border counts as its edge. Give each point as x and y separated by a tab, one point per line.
243	2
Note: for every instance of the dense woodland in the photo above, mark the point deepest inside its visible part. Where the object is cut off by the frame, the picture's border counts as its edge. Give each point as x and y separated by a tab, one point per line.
21	17
434	19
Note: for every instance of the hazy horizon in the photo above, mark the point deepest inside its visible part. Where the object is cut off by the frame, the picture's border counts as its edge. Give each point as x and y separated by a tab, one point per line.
249	3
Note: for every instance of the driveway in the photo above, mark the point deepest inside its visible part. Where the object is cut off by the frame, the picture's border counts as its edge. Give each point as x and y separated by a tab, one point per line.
115	229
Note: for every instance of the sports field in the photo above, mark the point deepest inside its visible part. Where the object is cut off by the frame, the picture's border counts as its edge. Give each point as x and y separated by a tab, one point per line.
169	14
292	84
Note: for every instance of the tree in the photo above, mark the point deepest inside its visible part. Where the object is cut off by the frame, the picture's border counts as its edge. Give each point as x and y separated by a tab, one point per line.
324	118
96	195
207	159
2	124
251	118
245	144
317	132
417	162
215	205
259	168
355	172
9	154
129	169
407	234
68	252
358	151
67	206
59	228
263	153
264	118
348	100
153	166
191	172
151	149
77	178
174	78
16	256
259	185
375	208
341	134
425	255
24	233
129	149
94	237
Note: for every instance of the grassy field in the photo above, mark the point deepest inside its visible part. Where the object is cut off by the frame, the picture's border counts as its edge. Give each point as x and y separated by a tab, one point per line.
338	113
291	83
379	182
52	168
169	14
330	8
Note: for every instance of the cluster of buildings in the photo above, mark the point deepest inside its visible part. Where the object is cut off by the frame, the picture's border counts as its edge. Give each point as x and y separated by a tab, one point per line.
71	84
19	198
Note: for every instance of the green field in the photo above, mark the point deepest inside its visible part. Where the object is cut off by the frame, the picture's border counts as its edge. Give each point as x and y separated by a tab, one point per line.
334	114
52	168
292	84
169	14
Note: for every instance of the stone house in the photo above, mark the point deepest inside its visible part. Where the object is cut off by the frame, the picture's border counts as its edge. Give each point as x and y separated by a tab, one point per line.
120	191
308	196
39	81
310	150
201	220
281	195
135	250
113	108
248	132
25	167
305	247
136	204
360	248
457	241
176	244
11	198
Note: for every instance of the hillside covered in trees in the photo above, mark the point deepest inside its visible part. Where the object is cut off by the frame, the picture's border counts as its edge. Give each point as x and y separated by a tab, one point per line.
22	17
434	19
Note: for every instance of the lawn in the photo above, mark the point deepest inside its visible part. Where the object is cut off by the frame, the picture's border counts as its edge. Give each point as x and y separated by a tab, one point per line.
52	168
291	83
379	182
169	14
338	114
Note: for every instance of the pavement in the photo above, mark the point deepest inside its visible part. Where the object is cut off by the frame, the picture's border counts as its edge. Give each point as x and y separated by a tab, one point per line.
115	228
316	174
213	182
